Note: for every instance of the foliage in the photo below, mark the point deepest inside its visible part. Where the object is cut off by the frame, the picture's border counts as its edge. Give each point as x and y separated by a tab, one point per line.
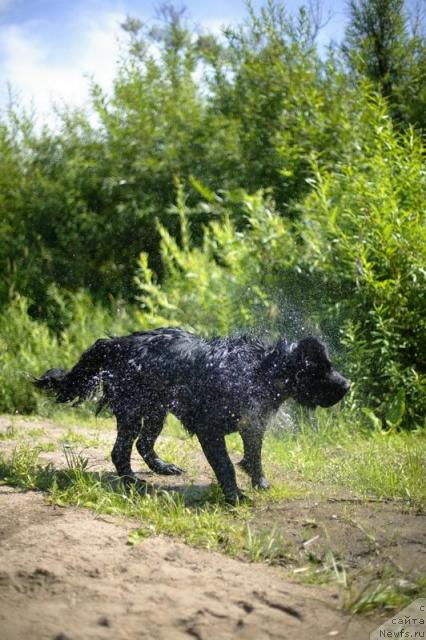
28	347
283	101
381	45
214	287
354	260
365	236
80	202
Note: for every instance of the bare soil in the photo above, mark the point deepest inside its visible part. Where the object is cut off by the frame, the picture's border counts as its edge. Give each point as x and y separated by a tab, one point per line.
69	574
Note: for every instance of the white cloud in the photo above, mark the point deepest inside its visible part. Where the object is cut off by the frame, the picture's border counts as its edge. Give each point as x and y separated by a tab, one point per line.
35	71
216	25
100	45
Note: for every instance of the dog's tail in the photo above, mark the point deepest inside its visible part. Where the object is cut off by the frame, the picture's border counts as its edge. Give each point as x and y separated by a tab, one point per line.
80	382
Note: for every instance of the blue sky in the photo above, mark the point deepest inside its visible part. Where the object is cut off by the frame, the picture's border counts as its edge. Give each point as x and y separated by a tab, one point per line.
49	47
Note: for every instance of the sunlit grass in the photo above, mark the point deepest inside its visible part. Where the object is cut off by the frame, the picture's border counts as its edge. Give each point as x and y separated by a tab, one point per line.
384	464
75	437
83	416
386	592
210	525
11	432
326	450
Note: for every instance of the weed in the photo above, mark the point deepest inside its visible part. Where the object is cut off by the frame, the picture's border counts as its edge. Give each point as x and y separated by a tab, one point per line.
23	470
74	460
267	546
386	592
11	432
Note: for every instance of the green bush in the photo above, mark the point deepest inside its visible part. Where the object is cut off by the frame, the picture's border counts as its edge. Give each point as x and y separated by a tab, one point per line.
352	269
28	347
222	284
364	233
79	201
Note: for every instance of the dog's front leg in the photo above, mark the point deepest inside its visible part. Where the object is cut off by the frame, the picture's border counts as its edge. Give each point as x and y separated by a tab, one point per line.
252	436
214	448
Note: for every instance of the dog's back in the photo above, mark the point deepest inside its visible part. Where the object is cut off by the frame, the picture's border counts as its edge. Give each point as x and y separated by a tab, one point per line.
124	364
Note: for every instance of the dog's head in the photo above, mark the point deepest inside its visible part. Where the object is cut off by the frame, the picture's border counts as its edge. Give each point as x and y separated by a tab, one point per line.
309	376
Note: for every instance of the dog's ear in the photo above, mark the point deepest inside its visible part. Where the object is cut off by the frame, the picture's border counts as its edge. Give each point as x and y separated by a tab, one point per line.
308	349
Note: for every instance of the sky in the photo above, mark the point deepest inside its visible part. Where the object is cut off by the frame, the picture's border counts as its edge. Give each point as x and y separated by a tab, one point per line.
49	48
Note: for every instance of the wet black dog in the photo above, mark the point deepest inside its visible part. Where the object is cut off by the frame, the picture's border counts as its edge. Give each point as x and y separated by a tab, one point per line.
213	386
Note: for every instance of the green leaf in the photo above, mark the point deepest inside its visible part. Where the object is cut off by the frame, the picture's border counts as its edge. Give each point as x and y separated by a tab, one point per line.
396	409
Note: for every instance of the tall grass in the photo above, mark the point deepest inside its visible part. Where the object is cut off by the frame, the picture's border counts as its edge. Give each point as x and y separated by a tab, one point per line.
368	462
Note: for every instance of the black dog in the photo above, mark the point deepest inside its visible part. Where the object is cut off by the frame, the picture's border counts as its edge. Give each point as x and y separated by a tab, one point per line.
213	386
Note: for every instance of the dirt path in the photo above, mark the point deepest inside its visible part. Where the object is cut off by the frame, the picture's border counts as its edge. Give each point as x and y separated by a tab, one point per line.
69	574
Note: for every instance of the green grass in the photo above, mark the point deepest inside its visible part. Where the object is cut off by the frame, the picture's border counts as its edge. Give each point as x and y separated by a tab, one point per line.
384	464
11	433
83	416
74	437
386	592
211	525
37	432
327	452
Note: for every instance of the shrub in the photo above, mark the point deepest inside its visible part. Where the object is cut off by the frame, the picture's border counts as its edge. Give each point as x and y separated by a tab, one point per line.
352	268
222	284
363	231
28	347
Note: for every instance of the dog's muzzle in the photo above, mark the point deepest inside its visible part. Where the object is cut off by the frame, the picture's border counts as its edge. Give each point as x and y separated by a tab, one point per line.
336	392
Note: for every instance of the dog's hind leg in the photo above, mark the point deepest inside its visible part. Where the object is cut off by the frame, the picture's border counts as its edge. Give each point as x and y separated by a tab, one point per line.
252	437
127	430
152	426
215	451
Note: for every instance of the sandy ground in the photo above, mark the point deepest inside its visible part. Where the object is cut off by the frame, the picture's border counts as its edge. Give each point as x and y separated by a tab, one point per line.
69	574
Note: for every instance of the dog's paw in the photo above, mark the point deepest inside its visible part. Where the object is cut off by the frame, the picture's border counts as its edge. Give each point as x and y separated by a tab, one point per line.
171	470
244	465
165	468
261	483
235	498
132	481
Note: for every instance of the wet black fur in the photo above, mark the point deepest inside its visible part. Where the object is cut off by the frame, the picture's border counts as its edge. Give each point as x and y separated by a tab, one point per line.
213	386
